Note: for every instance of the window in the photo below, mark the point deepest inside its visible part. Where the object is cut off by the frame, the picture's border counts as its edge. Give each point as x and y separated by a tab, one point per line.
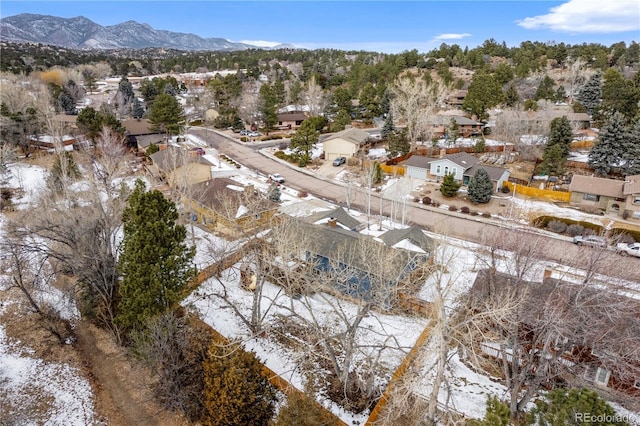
636	384
446	170
590	197
636	200
636	215
438	169
602	376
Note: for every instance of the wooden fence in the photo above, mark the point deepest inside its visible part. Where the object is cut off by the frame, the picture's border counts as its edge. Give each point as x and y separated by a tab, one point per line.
539	193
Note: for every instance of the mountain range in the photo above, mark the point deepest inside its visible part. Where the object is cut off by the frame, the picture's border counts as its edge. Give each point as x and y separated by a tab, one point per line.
82	33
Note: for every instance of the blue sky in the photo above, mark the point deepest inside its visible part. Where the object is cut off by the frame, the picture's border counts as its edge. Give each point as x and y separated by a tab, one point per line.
384	26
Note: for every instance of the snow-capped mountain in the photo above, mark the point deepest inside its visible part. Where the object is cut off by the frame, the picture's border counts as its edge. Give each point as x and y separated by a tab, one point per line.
82	33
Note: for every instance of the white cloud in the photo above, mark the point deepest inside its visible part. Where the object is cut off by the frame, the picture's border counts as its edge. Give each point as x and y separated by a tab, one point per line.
588	16
451	36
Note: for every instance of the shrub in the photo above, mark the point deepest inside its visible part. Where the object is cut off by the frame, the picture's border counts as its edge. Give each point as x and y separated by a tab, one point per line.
557	226
435	204
280	154
302	194
575	229
244	139
505	189
427	201
542	221
475	213
416	199
465	210
453	208
486	214
282	146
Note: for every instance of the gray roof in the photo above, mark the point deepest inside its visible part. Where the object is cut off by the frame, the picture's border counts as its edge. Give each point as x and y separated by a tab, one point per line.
339	214
219	195
631	185
597	186
418	161
145	140
462	159
413	234
494	173
353	135
173	157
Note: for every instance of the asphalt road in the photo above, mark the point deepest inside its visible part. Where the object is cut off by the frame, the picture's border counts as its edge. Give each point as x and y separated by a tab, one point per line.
456	225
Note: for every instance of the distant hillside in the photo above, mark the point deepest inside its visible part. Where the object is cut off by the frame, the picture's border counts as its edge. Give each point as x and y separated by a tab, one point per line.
82	33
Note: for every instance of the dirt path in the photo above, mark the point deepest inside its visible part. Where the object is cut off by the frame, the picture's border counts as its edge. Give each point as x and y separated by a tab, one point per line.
122	394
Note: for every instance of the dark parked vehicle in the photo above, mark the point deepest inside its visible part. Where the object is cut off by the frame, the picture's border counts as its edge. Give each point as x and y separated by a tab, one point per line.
198	150
339	161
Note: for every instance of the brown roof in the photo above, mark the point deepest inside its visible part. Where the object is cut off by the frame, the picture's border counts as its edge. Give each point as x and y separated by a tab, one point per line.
597	186
292	116
631	185
137	127
353	135
229	198
145	140
173	157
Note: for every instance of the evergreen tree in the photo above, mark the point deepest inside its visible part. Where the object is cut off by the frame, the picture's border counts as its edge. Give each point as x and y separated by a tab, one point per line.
138	110
511	96
268	107
560	407
304	139
166	114
236	392
631	154
610	149
545	89
484	93
619	94
480	187
560	95
273	193
341	120
449	186
64	169
561	134
552	161
497	414
126	89
66	103
155	263
398	143
590	94
388	127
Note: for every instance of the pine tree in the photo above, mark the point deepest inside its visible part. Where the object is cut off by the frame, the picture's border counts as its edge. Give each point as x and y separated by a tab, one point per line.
484	93
273	193
138	110
480	187
449	186
560	134
155	263
511	96
166	114
559	408
631	154
590	94
304	138
545	89
398	143
609	151
64	169
388	127
236	392
497	414
66	103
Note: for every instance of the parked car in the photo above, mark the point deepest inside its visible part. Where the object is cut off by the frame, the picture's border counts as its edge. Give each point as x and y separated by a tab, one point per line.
339	161
276	177
253	134
198	150
590	240
245	132
632	249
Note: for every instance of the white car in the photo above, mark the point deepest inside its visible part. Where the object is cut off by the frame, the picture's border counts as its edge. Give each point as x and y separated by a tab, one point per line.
591	240
632	249
276	177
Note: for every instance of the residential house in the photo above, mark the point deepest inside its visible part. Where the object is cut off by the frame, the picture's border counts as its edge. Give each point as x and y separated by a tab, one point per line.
587	334
631	191
359	265
462	165
135	128
456	98
291	120
179	167
144	141
335	217
596	193
51	143
411	238
225	206
441	126
344	144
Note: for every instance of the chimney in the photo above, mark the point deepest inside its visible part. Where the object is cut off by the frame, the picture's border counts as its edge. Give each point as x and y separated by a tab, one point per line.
332	222
548	271
443	152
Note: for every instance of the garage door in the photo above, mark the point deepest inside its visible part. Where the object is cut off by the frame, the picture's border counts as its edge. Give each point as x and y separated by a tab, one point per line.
417	172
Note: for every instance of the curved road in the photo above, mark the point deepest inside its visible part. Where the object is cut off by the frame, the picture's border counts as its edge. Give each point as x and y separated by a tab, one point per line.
463	227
